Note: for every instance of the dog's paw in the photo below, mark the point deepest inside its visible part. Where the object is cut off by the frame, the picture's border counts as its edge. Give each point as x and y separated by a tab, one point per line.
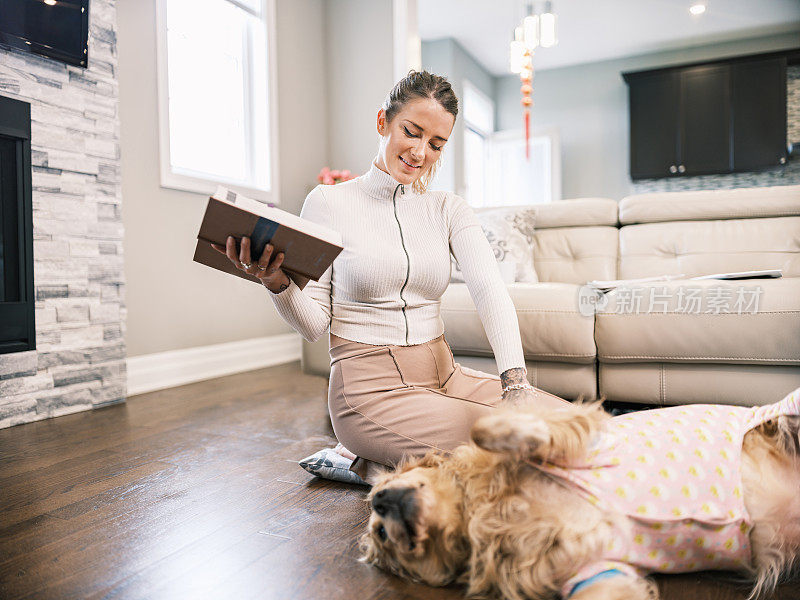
510	431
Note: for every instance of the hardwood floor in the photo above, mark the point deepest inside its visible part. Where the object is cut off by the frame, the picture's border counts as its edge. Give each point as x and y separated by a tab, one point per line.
194	492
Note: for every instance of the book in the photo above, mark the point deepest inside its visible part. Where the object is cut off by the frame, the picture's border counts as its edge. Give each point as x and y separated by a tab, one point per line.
762	274
309	248
610	284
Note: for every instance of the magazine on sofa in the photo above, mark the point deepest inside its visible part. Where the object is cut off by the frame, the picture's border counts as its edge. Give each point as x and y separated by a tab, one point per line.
309	247
763	274
609	284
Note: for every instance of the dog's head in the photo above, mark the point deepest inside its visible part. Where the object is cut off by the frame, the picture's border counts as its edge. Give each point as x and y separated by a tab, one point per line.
416	528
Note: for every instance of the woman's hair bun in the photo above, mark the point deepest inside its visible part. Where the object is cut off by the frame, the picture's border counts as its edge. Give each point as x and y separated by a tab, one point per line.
420	84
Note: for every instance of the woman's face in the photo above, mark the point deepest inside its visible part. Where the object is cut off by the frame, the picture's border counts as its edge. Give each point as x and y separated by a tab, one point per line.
414	139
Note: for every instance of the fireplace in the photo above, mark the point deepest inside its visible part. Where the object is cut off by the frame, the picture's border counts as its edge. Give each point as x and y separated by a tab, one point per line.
17	326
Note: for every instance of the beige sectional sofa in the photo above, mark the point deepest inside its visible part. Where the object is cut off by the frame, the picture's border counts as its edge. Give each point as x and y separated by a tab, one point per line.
680	341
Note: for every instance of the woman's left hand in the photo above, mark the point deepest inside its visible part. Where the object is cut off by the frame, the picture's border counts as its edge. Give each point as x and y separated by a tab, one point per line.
518	398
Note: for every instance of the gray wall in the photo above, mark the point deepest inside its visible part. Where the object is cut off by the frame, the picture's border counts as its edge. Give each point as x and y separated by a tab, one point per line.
589	105
446	57
303	95
359	75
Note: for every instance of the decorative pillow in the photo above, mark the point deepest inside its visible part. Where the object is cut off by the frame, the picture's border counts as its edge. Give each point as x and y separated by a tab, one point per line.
329	464
509	231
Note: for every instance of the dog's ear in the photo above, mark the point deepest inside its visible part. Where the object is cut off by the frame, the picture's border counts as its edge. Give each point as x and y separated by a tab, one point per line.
431	459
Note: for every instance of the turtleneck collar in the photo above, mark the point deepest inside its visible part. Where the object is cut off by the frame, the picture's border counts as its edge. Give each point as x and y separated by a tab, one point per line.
381	185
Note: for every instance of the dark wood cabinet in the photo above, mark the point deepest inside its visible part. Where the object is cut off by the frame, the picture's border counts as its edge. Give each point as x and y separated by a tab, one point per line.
705	121
654	125
759	114
708	118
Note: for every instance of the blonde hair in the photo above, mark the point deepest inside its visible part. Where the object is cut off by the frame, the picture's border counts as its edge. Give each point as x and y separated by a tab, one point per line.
420	186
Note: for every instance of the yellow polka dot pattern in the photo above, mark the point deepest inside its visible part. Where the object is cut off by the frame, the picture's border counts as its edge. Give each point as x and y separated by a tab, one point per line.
675	472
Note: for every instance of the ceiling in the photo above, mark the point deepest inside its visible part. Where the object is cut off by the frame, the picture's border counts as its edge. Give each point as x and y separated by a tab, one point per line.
594	30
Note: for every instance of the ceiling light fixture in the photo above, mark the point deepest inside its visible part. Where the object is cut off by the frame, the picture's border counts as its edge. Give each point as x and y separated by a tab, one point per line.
538	28
697	9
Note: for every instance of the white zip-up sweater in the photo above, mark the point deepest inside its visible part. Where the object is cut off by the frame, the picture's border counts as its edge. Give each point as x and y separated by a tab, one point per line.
385	286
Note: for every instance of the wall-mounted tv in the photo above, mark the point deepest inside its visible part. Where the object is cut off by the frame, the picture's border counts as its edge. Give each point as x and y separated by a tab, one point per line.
57	29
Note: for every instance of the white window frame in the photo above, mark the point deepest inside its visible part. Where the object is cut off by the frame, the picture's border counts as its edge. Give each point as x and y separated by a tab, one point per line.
517	137
471	88
208	185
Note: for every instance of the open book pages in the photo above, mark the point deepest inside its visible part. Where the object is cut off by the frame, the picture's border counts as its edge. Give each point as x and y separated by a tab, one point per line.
610	284
279	216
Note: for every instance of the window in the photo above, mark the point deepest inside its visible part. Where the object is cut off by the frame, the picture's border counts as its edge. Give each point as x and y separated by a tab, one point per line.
513	179
217	121
478	128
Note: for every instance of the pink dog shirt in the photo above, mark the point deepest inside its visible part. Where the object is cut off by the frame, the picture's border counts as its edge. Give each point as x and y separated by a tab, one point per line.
676	474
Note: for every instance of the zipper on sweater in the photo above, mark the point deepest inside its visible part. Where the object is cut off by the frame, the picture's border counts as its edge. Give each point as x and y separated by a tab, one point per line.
408	260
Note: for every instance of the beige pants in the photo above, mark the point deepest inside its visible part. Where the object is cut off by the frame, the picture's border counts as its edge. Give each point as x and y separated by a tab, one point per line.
387	401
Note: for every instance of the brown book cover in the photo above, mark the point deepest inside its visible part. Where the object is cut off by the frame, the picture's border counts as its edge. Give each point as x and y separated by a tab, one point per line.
309	248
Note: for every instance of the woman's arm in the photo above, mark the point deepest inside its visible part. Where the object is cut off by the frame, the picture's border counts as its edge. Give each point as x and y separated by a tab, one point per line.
494	305
495	309
308	311
486	286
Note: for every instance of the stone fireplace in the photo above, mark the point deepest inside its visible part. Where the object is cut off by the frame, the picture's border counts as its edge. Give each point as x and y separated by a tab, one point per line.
77	361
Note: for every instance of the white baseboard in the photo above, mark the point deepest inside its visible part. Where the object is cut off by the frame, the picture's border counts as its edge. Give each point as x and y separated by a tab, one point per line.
160	370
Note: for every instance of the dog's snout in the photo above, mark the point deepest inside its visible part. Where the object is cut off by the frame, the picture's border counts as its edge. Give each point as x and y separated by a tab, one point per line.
386	500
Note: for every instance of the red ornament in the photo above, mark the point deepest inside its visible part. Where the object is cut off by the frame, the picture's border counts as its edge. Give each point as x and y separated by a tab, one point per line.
526	76
527	134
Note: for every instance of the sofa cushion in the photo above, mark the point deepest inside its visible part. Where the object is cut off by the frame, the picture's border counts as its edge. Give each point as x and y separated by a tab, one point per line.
775	201
696	248
755	321
551	326
576	254
329	464
577	212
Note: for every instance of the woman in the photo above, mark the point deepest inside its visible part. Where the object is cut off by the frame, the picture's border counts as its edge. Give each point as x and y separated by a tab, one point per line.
394	387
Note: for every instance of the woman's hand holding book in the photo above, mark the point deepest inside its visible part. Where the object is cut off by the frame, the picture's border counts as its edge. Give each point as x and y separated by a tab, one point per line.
267	268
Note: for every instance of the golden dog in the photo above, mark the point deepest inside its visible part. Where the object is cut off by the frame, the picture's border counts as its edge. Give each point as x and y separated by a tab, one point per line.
493	516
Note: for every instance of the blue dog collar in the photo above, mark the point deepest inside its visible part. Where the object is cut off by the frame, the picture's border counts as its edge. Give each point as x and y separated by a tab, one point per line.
595	579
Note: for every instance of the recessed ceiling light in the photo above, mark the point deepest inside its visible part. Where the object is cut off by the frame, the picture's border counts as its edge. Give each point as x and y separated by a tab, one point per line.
697	9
